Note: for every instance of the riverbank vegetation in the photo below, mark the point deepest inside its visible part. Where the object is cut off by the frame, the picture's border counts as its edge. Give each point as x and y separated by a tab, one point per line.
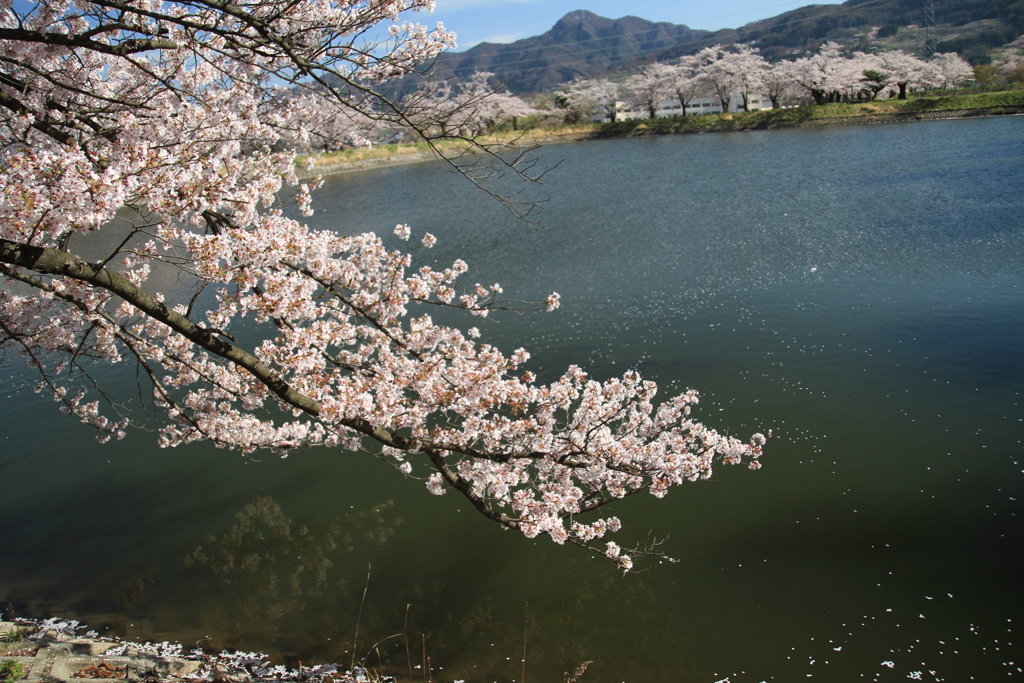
845	113
720	88
941	104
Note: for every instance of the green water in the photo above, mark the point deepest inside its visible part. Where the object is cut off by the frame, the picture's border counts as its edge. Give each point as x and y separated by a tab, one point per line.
859	291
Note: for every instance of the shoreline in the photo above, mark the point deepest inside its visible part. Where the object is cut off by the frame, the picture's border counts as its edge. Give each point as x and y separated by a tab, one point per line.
51	651
772	119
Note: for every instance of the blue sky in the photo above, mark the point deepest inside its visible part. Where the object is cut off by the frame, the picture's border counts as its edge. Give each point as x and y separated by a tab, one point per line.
503	21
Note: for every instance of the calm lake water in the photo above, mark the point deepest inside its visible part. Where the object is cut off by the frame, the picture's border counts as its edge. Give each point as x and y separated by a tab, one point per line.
859	291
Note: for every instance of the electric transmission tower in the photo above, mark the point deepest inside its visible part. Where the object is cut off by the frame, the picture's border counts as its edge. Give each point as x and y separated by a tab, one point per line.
929	45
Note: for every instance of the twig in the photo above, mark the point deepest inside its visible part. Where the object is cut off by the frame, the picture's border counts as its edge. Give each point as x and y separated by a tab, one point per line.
405	629
373	648
526	626
571	678
359	616
218	675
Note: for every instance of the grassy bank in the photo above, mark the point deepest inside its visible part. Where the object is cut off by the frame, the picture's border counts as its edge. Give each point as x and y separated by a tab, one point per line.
1009	102
944	106
399	153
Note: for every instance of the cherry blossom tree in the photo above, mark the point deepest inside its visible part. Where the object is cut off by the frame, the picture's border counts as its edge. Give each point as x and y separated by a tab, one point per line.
716	69
778	82
189	111
454	108
606	95
647	87
506	107
581	98
577	99
749	67
737	69
825	75
683	80
906	71
1010	65
952	70
468	108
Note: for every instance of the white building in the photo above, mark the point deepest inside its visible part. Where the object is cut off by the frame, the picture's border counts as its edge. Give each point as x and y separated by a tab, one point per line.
626	110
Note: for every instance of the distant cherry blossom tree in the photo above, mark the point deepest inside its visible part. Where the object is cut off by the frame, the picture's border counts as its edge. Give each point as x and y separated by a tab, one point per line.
952	70
737	69
778	82
683	80
189	111
717	70
647	88
507	108
468	108
906	71
826	74
750	68
578	100
581	98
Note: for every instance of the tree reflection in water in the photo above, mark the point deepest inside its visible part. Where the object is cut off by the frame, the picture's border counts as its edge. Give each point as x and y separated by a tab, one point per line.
268	571
279	588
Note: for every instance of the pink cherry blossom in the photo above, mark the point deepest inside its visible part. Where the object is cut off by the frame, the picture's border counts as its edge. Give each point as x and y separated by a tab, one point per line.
192	113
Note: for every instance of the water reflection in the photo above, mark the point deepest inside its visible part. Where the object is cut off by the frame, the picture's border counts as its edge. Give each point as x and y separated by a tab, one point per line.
875	325
280	587
266	569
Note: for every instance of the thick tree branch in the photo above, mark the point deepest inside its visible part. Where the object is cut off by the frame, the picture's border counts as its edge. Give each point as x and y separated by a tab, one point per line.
51	261
126	47
463	487
15	105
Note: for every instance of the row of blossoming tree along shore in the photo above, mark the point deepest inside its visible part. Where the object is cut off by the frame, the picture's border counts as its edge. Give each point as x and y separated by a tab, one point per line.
192	112
729	75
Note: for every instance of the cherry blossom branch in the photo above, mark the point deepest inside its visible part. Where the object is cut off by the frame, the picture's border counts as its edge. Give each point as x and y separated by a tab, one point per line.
204	136
126	47
55	262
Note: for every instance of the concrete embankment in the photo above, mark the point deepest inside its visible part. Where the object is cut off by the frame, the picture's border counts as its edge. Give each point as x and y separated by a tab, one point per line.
56	657
907	117
52	652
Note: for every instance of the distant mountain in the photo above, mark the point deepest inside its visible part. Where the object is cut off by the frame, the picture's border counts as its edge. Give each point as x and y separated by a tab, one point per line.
584	44
580	44
970	27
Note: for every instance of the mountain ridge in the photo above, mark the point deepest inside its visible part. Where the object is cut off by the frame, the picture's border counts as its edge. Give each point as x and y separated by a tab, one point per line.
581	43
586	45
